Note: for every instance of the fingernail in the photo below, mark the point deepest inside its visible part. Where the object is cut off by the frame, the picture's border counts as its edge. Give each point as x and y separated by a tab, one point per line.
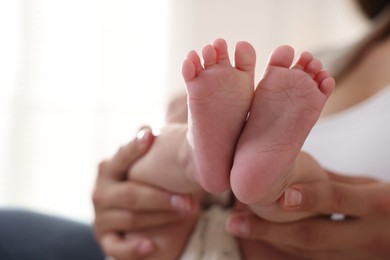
144	247
238	225
181	204
142	136
292	197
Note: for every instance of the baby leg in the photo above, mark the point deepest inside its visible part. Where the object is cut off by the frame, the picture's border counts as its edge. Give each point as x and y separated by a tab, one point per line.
287	104
219	98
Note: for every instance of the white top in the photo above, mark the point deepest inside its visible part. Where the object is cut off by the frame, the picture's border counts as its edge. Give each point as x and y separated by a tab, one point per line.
355	141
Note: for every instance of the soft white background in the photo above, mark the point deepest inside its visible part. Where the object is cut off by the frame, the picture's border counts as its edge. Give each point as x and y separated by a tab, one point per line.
78	77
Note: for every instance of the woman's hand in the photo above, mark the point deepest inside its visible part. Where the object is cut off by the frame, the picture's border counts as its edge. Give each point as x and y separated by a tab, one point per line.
122	206
363	234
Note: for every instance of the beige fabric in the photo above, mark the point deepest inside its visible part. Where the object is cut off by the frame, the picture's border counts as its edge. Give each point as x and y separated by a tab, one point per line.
210	241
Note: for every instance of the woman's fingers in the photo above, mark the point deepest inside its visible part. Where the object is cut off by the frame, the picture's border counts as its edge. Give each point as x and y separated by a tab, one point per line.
319	237
363	234
310	234
120	247
336	197
141	197
126	221
111	191
328	198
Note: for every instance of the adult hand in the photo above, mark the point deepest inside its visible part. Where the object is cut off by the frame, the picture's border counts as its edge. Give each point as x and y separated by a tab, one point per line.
363	234
122	206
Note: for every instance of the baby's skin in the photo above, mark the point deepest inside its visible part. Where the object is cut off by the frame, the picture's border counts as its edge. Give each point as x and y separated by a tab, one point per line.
219	98
238	137
253	140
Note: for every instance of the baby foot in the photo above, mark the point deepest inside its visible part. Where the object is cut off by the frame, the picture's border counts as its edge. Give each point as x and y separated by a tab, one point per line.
219	98
286	105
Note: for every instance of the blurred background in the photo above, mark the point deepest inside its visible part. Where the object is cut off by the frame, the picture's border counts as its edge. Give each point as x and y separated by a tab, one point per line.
78	77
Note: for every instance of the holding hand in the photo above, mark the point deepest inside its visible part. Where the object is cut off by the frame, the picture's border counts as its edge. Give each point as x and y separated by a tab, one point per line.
364	234
122	206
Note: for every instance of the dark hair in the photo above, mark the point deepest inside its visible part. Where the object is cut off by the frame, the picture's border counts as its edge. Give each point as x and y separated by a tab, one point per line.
372	8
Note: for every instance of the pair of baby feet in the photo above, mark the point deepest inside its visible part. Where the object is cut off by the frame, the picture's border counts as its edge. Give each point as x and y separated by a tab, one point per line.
247	138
